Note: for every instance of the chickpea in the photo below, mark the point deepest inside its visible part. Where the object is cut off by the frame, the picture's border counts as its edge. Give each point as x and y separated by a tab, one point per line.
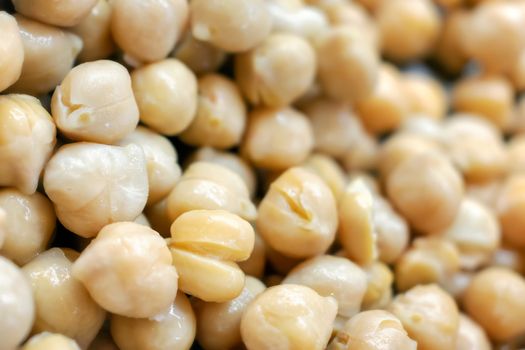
161	162
429	315
329	171
128	270
206	185
420	125
277	139
29	222
231	25
95	32
448	51
117	191
61	13
288	317
348	67
332	276
173	328
49	54
201	57
471	336
27	138
11	51
219	324
298	215
60	299
166	93
379	287
46	340
427	191
157	215
372	330
95	103
277	71
425	95
494	299
509	208
391	229
363	155
516	154
16	305
221	114
255	264
147	30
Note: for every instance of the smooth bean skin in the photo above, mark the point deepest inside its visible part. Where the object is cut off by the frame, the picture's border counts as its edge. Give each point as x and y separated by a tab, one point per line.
11	51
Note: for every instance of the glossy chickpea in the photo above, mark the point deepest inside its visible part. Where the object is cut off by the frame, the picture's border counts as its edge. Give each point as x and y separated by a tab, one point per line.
161	162
255	264
11	51
147	31
277	139
173	328
491	291
425	95
379	286
61	13
288	317
166	93
509	208
49	54
329	171
471	336
46	340
448	51
27	138
221	114
117	191
298	215
429	315
200	56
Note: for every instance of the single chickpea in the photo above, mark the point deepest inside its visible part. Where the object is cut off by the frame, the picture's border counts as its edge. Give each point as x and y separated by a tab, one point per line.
277	139
117	191
448	51
510	204
429	315
329	171
200	56
27	138
255	264
219	324
494	299
288	317
95	103
46	340
147	31
16	305
60	299
205	244
516	154
471	336
11	51
364	153
333	276
49	54
372	330
205	185
221	114
127	269
29	223
231	25
173	328
298	215
161	162
379	287
95	32
392	231
425	95
60	13
166	93
426	190
277	71
157	215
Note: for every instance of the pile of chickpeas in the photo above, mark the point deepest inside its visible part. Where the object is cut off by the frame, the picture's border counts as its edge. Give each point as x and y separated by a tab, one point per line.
262	174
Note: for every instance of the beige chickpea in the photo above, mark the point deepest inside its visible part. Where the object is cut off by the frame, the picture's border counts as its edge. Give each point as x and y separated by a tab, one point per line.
333	276
494	299
448	51
277	71
372	330
200	56
425	95
16	305
61	13
11	51
117	191
157	216
46	340
127	269
205	185
173	328
426	190
49	54
379	286
509	208
392	231
364	153
221	114
218	324
161	161
62	303
231	25
471	336
95	32
95	103
255	264
329	171
429	315
516	154
288	317
27	138
348	66
276	138
298	215
166	93
28	226
147	30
